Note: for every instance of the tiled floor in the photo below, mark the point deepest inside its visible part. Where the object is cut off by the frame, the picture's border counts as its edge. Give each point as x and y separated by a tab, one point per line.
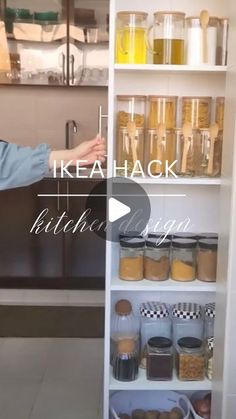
51	378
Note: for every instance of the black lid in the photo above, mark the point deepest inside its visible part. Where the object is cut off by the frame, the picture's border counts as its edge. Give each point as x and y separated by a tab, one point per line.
133	243
158	243
160	342
185	235
209	244
130	234
184	243
214	236
159	235
190	343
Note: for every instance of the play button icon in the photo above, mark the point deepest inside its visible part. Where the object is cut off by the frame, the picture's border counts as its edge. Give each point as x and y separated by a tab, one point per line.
117	210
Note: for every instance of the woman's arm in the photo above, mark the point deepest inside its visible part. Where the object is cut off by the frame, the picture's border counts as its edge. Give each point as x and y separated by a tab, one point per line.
22	166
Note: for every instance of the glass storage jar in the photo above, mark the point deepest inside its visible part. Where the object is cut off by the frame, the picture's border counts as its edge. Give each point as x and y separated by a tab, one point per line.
155	321
197	111
220	112
196	53
210	313
124	325
125	361
160	152
194	164
183	261
130	132
131	259
157	259
209	358
190	359
131	33
159	359
187	321
168	44
162	109
207	260
222	42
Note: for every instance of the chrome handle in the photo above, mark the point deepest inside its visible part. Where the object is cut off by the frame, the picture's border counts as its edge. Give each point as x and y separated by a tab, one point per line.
67	197
62	63
101	116
72	60
58	196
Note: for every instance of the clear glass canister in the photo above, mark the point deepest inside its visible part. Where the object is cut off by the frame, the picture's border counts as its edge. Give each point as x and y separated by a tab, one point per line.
220	112
131	38
197	111
187	321
190	153
197	52
212	153
157	259
209	358
130	132
207	260
131	259
160	152
168	44
190	359
222	43
155	321
159	359
210	313
183	261
124	325
162	109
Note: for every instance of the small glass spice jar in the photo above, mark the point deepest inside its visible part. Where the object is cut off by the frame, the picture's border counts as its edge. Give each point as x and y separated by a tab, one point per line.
207	260
131	259
190	359
155	321
187	320
209	358
125	361
210	313
197	111
183	263
157	259
159	359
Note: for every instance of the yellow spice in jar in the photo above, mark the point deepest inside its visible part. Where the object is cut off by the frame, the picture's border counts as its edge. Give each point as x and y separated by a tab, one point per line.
182	271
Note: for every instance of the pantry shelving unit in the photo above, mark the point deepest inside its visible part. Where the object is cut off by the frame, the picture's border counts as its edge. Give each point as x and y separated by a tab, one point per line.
206	202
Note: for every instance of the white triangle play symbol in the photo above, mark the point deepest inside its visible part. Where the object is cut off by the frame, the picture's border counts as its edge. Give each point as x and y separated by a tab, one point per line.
117	210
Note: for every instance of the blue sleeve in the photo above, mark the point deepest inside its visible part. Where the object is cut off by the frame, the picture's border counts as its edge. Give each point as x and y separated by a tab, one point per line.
22	166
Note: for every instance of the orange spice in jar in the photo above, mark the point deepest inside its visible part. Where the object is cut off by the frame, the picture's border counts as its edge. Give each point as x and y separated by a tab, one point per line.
207	260
183	265
131	259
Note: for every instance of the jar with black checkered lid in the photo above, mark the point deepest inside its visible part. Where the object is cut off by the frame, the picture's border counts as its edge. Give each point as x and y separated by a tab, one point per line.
210	313
188	320
155	322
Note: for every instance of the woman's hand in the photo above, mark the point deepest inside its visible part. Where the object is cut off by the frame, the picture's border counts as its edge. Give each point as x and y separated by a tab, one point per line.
88	151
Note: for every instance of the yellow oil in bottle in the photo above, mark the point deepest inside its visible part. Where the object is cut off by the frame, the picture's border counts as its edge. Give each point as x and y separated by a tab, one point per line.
168	51
131	46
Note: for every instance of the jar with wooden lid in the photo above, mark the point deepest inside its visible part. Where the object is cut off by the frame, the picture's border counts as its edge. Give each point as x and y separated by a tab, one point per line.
207	260
209	358
197	111
190	359
125	361
162	109
187	320
183	261
220	112
130	132
159	359
157	259
131	259
191	161
159	151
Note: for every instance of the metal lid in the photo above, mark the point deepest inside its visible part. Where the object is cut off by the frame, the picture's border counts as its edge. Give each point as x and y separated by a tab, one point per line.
184	243
185	235
209	244
154	310
160	342
190	342
133	243
187	311
210	343
208	236
132	12
154	235
156	243
123	307
130	234
210	310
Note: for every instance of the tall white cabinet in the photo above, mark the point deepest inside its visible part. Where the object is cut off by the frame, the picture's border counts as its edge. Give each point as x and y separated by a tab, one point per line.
209	203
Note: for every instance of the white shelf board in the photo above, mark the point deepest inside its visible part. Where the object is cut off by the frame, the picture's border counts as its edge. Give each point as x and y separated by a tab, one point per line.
170	285
170	68
176	181
143	384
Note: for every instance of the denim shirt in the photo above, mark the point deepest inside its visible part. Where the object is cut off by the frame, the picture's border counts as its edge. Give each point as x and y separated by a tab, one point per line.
22	166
